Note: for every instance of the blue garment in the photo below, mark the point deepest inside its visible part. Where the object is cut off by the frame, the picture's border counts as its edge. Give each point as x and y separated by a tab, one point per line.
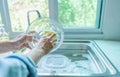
17	65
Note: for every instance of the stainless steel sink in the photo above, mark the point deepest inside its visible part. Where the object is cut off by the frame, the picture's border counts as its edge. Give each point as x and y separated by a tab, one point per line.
77	59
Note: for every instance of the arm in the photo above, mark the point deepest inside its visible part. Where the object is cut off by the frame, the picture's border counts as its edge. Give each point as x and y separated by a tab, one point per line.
17	65
6	46
18	43
45	44
23	66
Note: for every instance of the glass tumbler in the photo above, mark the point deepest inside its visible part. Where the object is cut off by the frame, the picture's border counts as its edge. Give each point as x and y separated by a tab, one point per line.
46	25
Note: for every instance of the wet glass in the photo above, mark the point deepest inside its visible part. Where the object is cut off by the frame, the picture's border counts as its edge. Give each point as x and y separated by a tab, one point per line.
43	26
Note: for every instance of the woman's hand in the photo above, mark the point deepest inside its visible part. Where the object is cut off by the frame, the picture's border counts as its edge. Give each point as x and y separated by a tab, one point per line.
18	43
46	42
22	40
44	46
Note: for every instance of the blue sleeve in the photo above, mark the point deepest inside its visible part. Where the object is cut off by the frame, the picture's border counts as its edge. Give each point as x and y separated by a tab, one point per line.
17	65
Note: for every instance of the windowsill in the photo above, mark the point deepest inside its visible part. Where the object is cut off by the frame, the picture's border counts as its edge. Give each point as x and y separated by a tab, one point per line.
111	50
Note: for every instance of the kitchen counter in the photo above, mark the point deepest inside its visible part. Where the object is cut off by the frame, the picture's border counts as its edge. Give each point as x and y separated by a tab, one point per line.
112	50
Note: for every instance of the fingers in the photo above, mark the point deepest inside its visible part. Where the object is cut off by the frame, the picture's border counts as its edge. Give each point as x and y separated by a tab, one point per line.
53	41
30	39
51	37
23	35
31	32
26	45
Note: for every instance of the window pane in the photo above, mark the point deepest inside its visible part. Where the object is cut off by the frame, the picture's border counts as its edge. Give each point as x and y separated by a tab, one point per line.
18	12
0	19
77	13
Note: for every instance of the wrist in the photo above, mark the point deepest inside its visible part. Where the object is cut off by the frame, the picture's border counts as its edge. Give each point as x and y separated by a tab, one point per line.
36	54
14	45
38	51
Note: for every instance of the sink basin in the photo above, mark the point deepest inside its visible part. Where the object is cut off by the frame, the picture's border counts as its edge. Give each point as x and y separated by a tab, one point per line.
76	59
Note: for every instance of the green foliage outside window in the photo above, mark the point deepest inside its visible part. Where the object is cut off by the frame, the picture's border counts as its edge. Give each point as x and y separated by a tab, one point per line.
77	13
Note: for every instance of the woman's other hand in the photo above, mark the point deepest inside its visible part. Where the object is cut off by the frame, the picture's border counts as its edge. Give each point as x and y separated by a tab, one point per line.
46	43
22	40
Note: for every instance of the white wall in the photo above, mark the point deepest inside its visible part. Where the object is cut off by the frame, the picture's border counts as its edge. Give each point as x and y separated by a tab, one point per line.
111	22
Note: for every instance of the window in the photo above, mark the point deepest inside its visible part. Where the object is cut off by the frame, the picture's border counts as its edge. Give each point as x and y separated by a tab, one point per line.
18	12
0	16
78	13
76	16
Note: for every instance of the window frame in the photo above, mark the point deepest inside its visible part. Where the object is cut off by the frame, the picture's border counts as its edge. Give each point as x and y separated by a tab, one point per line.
53	13
0	19
5	16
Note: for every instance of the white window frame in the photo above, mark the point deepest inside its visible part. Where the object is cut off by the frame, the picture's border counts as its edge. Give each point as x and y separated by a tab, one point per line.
54	15
53	11
81	32
6	18
5	15
0	12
